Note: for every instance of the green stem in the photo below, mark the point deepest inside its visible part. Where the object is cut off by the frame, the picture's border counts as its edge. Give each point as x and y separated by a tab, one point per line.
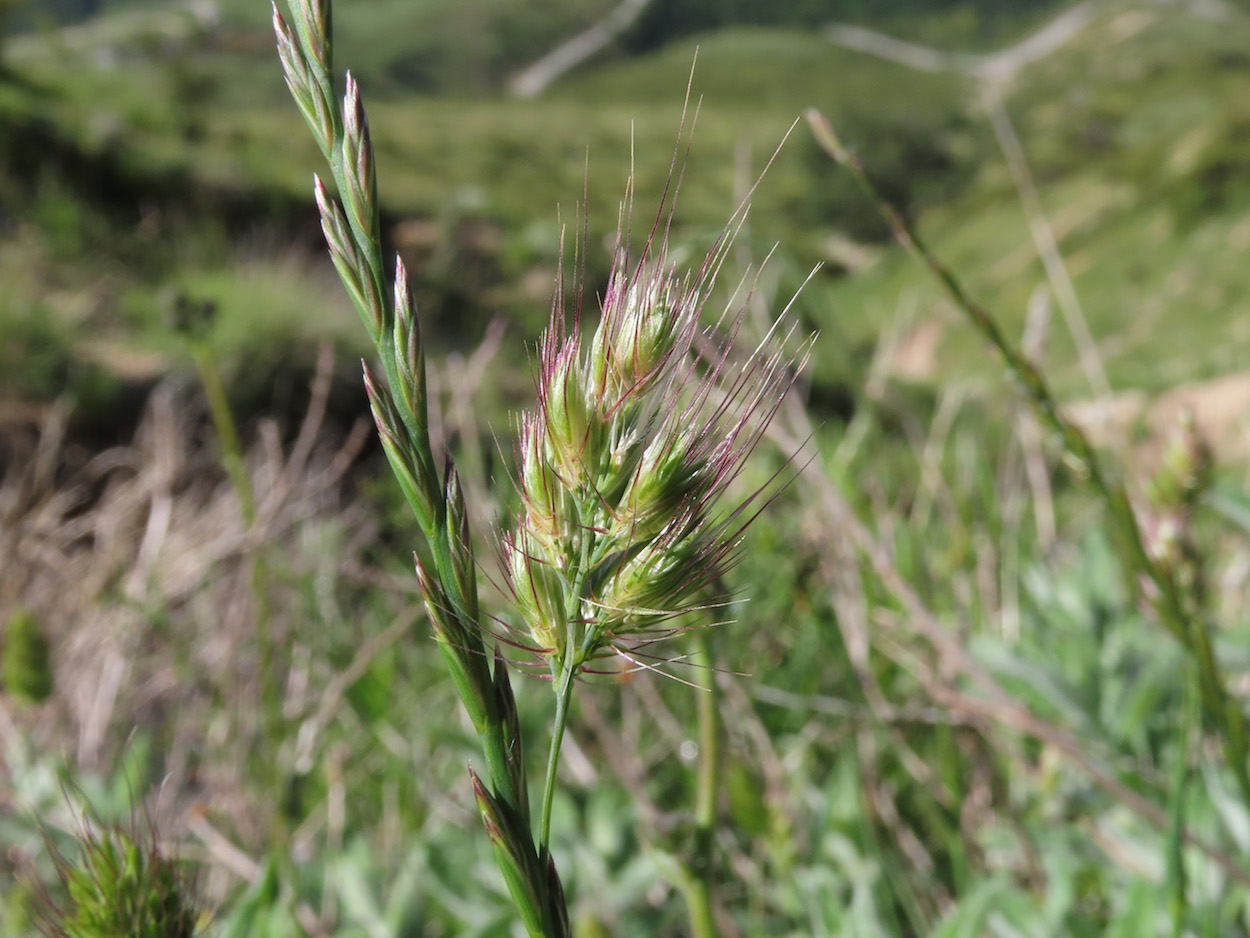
1187	739
709	737
698	894
236	468
227	432
488	701
564	695
699	888
563	669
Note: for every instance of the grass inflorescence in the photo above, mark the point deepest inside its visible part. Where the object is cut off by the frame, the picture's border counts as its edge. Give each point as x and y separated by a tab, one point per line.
120	883
623	465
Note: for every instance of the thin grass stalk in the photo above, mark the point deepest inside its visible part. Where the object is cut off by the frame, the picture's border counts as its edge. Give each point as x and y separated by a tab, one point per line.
1187	733
1159	585
236	468
564	698
702	861
1047	247
227	432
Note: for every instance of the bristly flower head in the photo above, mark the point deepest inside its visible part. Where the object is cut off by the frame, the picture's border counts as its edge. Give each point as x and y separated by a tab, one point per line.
624	463
121	883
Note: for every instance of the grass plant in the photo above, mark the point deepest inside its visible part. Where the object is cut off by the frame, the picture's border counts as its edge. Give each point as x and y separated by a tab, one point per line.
1161	566
622	469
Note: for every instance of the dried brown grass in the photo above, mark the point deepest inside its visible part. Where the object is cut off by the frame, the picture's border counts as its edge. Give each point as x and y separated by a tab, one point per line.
138	564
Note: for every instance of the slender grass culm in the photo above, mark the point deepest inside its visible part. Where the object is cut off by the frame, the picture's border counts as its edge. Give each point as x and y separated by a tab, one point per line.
622	468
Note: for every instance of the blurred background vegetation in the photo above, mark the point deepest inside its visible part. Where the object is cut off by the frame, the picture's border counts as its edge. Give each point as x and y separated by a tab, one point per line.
958	719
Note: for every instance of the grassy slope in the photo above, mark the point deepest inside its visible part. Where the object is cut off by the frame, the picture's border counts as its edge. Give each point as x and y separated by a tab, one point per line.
1139	163
217	120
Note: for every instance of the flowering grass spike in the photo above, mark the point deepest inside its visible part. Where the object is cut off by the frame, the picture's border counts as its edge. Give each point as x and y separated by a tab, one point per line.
624	464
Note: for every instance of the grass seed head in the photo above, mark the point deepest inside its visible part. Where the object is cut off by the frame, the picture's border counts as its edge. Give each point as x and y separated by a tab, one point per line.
623	465
643	322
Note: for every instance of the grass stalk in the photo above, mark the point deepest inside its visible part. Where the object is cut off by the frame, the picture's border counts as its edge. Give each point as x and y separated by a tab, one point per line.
699	892
227	431
694	874
1188	726
564	697
1146	577
236	468
352	226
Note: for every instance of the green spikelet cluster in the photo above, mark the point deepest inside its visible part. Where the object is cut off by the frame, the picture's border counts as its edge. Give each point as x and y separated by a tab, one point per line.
1184	476
120	886
1187	467
634	442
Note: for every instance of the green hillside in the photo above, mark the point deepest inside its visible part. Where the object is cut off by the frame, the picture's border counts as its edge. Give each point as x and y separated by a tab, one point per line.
1142	165
1140	160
